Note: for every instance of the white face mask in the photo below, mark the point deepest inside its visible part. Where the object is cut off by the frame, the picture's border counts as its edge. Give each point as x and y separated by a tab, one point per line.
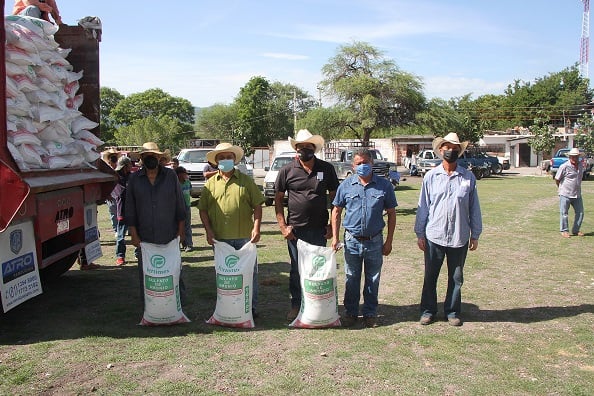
226	165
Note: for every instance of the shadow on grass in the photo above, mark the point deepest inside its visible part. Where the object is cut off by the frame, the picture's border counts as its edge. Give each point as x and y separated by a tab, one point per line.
106	303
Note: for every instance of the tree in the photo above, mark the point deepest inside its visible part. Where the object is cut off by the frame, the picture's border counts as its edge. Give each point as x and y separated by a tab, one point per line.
329	122
584	137
153	103
109	100
166	131
542	140
217	122
372	88
284	100
252	115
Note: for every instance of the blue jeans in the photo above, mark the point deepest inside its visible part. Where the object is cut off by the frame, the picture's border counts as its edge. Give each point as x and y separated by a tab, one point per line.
113	215
434	256
122	231
362	257
188	227
314	236
578	207
238	244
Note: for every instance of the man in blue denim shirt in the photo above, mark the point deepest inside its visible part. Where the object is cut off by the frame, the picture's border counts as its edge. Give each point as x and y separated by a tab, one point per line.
448	223
365	196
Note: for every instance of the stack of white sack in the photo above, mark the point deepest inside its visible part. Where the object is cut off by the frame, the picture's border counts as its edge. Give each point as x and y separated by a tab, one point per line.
45	128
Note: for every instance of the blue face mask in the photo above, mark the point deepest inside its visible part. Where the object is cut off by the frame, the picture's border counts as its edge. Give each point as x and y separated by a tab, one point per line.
364	170
226	165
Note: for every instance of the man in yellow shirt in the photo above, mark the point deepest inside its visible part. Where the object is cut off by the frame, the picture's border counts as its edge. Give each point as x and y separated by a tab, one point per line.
231	205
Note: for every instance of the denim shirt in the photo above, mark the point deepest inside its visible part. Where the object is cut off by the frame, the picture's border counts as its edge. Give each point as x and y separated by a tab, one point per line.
449	213
365	205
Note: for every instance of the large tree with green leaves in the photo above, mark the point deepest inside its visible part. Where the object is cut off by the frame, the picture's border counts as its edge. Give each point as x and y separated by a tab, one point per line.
166	131
252	105
217	122
109	100
153	103
372	88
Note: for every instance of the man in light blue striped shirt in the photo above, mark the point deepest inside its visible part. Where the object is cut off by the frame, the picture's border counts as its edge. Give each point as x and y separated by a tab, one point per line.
448	223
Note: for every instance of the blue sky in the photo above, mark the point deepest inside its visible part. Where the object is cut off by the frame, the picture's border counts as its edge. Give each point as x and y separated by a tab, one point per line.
205	51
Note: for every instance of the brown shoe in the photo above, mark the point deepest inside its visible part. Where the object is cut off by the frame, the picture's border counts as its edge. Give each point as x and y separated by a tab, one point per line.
370	322
292	314
348	321
90	266
454	321
565	234
579	233
426	319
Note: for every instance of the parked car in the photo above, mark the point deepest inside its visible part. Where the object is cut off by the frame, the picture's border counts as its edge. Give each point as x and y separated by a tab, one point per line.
271	172
562	156
427	160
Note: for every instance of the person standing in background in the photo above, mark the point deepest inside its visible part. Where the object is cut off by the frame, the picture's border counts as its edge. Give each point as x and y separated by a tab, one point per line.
186	187
569	182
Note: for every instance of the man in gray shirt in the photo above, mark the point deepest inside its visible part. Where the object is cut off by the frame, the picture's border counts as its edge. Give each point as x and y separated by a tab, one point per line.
569	181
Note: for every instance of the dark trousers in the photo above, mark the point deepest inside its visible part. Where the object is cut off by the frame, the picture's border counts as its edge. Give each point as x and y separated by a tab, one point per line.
314	236
434	257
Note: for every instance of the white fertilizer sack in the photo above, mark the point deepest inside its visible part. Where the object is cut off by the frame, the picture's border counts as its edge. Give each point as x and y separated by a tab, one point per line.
161	266
235	274
317	273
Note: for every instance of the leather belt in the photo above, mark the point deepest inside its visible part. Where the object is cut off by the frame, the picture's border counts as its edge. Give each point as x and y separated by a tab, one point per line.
364	238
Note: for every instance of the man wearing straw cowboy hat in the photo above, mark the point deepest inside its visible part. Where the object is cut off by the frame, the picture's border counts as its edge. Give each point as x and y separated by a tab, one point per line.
569	183
231	205
448	223
155	207
306	180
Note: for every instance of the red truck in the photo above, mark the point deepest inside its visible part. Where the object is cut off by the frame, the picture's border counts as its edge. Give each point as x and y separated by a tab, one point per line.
47	216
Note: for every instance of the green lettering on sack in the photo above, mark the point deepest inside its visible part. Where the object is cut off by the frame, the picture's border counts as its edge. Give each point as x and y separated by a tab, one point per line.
229	282
158	284
320	287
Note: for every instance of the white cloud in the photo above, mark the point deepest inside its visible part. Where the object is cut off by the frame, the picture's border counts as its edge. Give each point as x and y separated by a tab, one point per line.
447	87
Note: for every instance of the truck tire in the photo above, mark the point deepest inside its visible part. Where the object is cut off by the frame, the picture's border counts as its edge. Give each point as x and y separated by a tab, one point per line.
498	169
58	268
269	201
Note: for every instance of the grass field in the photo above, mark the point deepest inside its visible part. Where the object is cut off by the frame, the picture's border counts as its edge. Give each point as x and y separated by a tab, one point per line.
528	310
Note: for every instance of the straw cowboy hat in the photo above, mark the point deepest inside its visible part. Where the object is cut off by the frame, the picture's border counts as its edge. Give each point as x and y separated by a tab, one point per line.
167	155
574	151
305	136
105	155
449	138
151	147
122	162
225	148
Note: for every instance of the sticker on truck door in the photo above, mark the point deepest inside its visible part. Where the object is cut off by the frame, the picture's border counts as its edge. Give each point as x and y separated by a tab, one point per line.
20	272
93	246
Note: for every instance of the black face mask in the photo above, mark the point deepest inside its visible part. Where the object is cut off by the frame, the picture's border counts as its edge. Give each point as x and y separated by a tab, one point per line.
151	162
305	154
451	156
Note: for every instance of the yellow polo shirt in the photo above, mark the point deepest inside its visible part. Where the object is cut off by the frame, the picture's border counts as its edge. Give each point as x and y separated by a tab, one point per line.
230	205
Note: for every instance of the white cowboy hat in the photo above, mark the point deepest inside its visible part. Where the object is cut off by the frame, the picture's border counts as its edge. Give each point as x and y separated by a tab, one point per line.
574	151
305	136
151	147
105	155
123	161
449	138
225	148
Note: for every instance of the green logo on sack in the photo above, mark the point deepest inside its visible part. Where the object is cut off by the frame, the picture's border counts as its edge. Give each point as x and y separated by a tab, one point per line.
231	261
157	261
318	262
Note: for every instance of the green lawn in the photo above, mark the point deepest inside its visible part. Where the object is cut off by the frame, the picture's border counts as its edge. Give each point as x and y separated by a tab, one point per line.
528	306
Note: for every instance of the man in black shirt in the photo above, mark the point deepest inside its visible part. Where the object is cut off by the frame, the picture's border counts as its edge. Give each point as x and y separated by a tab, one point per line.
306	180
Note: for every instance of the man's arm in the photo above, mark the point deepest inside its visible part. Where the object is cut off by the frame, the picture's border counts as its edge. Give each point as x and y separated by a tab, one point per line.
257	223
335	223
391	227
285	229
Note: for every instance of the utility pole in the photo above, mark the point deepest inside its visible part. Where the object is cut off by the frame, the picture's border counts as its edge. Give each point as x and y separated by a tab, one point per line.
294	111
585	41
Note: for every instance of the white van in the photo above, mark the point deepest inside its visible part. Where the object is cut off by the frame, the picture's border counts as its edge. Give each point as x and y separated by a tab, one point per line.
271	172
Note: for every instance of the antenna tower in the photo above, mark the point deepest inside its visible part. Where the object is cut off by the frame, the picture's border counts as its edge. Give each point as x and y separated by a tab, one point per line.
585	40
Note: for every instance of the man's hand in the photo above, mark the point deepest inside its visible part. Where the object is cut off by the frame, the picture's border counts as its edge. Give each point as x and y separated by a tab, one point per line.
387	249
287	232
255	236
422	243
473	244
